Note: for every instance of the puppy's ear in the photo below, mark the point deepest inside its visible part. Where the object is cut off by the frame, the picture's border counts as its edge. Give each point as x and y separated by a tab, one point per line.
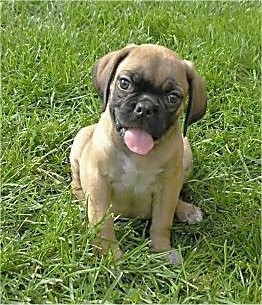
105	69
197	96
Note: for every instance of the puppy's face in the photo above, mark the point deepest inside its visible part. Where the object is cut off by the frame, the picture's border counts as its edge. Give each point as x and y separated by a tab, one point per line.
144	91
148	92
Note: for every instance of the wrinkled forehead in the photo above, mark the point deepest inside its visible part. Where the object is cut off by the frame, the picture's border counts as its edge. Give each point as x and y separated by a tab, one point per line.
155	66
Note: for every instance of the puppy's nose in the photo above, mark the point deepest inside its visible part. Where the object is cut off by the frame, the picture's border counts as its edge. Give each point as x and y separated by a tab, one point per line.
144	108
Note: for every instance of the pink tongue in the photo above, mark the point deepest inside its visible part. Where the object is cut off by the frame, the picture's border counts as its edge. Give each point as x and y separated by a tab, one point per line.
138	141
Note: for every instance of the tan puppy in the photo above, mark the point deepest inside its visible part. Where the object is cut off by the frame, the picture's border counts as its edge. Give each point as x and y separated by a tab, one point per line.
134	161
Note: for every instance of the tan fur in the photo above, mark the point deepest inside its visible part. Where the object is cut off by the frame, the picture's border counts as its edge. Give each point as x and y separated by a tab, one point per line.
109	178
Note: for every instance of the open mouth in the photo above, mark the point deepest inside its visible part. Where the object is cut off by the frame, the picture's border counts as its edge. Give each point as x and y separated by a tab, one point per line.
136	139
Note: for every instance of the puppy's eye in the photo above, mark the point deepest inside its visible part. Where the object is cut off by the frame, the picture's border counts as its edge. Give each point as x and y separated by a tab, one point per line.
174	97
124	83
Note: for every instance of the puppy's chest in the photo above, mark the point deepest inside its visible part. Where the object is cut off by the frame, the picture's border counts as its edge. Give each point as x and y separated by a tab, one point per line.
131	178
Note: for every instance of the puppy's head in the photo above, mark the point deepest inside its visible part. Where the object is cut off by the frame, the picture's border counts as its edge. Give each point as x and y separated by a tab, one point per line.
144	87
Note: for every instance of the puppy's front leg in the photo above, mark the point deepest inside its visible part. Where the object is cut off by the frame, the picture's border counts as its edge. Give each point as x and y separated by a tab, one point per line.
164	206
98	199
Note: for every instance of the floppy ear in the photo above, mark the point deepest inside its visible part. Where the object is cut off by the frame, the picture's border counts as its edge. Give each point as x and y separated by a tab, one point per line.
104	71
197	102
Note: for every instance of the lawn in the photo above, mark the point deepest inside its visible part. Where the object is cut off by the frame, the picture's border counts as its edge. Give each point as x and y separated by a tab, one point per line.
48	51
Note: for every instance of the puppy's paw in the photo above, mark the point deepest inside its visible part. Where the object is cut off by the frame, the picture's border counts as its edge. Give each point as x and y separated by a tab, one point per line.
106	247
174	257
189	213
117	253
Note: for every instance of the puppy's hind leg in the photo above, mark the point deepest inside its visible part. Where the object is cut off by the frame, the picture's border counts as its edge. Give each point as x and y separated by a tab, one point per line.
186	212
80	141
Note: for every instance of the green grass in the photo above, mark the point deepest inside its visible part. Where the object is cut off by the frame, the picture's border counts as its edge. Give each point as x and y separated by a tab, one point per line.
48	50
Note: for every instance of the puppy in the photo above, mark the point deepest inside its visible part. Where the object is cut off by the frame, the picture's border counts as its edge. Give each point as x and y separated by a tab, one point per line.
134	161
